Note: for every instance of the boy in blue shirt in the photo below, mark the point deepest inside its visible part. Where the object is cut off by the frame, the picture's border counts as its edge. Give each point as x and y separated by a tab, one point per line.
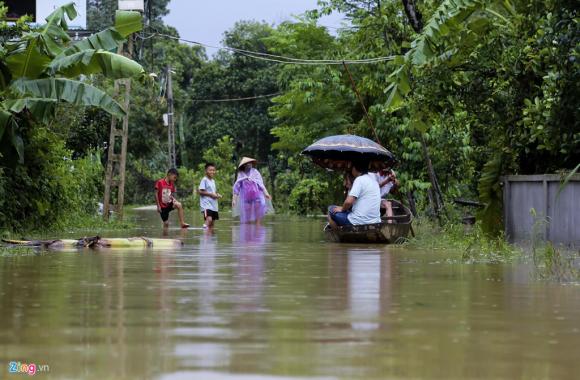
209	196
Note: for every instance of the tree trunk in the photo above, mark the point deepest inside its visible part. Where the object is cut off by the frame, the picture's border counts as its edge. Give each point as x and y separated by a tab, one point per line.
411	200
437	198
413	15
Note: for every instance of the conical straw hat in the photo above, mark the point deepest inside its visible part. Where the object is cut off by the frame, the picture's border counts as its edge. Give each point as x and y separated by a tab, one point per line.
246	160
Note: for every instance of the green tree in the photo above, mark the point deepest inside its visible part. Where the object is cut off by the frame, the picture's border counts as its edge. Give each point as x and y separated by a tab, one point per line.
38	70
482	79
231	76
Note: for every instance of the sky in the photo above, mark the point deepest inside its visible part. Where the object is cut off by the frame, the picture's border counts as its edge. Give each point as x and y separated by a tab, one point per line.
206	20
46	7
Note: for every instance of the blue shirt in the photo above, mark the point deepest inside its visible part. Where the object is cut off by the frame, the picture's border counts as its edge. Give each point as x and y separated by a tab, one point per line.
367	207
205	202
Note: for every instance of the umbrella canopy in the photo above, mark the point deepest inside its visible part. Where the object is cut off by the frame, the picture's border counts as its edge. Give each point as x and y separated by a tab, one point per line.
338	152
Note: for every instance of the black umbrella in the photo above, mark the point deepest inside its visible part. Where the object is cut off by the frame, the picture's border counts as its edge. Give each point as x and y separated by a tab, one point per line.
337	152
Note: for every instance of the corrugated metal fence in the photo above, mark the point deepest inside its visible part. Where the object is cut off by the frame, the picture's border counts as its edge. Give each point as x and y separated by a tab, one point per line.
557	209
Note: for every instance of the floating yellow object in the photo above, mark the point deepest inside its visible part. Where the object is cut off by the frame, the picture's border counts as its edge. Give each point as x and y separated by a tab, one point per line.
140	242
99	242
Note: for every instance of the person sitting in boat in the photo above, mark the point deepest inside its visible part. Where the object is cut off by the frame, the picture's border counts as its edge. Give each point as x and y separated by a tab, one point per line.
362	205
347	182
387	180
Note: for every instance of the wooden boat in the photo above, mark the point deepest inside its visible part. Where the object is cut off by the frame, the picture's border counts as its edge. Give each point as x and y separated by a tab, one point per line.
99	242
391	230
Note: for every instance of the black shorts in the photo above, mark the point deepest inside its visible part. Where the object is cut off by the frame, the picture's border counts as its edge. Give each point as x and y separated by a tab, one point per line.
165	212
214	214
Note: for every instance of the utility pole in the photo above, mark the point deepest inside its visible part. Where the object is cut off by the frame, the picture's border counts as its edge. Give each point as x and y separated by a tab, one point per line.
172	158
181	126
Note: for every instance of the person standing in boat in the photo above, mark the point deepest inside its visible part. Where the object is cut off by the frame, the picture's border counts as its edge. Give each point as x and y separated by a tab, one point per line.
387	180
362	205
251	199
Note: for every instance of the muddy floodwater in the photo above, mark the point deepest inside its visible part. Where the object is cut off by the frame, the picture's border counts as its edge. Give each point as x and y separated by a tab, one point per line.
277	302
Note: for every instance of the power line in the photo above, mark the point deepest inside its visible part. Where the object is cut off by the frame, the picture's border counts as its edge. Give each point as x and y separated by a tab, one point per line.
235	99
280	58
344	27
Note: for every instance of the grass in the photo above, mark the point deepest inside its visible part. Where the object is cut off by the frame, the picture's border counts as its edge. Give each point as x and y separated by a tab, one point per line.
471	241
551	263
97	222
75	223
555	264
17	251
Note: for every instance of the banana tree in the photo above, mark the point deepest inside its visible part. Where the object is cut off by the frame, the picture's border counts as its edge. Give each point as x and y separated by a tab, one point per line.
43	67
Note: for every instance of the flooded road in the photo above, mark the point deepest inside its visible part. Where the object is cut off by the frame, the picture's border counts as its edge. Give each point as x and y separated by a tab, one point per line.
277	302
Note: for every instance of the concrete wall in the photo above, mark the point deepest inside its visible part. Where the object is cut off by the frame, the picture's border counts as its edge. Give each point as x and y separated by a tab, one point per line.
521	193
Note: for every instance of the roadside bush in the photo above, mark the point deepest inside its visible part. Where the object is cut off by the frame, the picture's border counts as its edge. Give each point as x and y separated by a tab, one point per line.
87	182
222	155
285	183
49	187
187	185
141	179
308	197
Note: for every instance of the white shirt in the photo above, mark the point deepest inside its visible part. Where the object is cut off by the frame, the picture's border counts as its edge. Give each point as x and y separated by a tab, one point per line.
367	207
385	190
205	202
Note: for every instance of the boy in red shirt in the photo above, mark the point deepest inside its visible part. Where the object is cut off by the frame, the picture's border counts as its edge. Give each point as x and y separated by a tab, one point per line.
166	202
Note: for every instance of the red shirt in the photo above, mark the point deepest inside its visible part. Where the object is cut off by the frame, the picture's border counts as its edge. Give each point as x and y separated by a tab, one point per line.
165	192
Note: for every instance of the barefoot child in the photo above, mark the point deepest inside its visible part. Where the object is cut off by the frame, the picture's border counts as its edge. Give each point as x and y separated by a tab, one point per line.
166	202
209	196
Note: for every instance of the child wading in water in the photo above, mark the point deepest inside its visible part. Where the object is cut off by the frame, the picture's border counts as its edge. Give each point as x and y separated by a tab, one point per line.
165	197
209	196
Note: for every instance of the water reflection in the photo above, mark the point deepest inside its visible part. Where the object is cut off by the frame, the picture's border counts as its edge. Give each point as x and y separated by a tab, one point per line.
206	267
249	241
364	273
362	281
277	301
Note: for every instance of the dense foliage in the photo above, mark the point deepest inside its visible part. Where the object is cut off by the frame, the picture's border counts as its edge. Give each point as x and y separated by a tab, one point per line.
472	90
40	72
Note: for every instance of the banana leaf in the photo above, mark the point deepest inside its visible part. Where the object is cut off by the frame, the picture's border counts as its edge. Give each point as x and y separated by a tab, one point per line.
60	14
4	119
25	60
127	22
108	39
10	138
38	94
88	62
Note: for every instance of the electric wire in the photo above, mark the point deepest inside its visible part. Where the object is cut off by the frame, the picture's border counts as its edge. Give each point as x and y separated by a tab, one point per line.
278	58
235	99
